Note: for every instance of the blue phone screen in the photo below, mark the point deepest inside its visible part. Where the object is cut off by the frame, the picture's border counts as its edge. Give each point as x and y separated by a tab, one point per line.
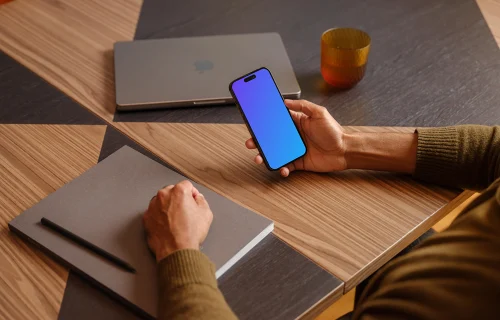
269	119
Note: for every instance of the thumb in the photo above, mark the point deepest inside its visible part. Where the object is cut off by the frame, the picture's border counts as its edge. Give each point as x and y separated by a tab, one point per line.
289	168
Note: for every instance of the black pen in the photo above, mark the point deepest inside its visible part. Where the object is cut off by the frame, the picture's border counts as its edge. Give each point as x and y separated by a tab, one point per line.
87	245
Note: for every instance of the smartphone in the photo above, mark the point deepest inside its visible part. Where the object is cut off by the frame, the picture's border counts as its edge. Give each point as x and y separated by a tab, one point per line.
267	118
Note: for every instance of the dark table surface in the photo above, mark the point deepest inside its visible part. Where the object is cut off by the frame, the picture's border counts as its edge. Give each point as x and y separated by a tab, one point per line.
432	63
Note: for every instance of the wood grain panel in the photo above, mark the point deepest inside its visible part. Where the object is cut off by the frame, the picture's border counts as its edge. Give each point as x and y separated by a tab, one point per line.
69	43
444	223
343	221
35	160
491	12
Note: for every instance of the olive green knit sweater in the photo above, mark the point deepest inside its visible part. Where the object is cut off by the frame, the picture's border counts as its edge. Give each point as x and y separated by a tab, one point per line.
452	275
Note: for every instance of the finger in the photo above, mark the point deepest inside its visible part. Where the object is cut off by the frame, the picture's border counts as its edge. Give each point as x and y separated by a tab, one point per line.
284	172
289	168
296	116
200	200
183	189
258	159
164	191
308	108
195	192
152	201
250	144
163	195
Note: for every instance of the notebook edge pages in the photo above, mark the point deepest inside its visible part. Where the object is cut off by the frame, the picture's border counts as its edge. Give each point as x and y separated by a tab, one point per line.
240	254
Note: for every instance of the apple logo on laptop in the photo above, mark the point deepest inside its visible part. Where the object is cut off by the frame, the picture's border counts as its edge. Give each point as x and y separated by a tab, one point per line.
203	65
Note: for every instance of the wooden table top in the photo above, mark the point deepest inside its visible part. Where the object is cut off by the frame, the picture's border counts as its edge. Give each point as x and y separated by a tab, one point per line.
349	223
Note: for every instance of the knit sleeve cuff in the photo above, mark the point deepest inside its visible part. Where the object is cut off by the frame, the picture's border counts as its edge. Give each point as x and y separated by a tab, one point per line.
437	153
186	267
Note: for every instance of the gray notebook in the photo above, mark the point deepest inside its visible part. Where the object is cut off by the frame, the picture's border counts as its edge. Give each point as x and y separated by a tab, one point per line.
104	206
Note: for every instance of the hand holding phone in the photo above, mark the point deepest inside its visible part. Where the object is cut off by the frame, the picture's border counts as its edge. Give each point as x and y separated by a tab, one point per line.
324	138
273	130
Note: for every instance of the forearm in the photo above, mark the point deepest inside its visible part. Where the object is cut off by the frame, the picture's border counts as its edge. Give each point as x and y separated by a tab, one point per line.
462	156
396	152
188	288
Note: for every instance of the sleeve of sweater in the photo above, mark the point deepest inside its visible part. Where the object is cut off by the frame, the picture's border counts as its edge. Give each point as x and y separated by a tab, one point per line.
453	274
466	157
188	288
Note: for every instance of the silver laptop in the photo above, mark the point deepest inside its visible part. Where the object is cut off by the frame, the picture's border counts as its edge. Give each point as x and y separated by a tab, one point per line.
195	71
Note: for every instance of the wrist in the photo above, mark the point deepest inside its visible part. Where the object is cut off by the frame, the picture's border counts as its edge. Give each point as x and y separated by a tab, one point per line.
360	152
353	150
167	250
388	151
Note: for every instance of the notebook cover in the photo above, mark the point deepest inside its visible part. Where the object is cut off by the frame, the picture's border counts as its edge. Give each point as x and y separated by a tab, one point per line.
105	205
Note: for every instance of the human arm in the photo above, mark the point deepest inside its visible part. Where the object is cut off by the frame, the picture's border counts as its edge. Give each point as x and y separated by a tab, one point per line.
465	157
176	223
461	156
330	148
453	274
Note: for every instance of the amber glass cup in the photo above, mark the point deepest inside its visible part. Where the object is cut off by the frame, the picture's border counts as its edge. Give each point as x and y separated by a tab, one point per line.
344	54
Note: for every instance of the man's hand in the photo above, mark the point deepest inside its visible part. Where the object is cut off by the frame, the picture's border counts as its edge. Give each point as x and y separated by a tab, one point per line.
178	218
323	136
